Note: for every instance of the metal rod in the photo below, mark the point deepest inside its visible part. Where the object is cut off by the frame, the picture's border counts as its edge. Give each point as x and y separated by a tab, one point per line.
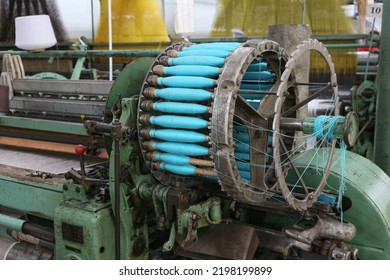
364	127
304	102
296	171
245	91
310	84
85	53
11	223
291	124
110	39
116	133
92	22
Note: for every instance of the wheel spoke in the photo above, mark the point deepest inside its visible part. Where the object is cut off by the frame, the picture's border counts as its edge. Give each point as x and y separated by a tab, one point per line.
307	100
245	112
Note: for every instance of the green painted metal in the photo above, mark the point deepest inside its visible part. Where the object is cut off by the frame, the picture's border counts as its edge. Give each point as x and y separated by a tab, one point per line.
382	121
31	196
197	216
364	104
78	68
368	187
75	192
128	84
43	125
83	231
48	75
207	213
129	165
11	223
87	53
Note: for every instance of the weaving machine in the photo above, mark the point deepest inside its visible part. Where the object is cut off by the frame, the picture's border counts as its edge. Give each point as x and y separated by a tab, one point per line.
218	143
207	151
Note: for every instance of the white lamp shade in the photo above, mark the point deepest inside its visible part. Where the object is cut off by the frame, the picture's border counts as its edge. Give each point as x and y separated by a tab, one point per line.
34	32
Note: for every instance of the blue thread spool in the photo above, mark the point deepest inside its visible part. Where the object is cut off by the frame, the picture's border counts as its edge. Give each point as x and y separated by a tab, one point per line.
187	70
179	148
242	148
258	76
216	53
255	96
176	135
258	66
171	121
172	159
242	156
214	46
197	60
180	108
254	104
244	166
240	128
186	82
256	86
179	94
245	175
186	170
242	137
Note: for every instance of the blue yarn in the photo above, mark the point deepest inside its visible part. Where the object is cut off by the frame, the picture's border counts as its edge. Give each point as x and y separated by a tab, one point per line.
324	127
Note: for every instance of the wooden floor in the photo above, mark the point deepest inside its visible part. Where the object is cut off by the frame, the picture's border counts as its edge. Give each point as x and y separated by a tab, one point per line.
40	161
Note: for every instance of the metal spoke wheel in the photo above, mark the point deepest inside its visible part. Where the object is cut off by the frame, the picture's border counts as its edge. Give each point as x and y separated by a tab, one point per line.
321	87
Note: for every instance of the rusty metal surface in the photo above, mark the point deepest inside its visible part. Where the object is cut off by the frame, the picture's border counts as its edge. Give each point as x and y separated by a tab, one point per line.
228	241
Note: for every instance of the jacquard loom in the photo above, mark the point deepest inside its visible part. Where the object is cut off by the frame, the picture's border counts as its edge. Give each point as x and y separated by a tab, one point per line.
206	151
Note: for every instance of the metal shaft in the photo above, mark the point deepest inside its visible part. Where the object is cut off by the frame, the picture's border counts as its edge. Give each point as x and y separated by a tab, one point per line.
116	136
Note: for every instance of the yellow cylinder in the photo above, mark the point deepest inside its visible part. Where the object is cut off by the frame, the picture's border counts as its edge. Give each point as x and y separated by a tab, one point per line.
133	22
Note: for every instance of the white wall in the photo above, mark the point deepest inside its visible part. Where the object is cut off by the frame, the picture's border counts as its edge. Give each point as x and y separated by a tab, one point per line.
77	16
